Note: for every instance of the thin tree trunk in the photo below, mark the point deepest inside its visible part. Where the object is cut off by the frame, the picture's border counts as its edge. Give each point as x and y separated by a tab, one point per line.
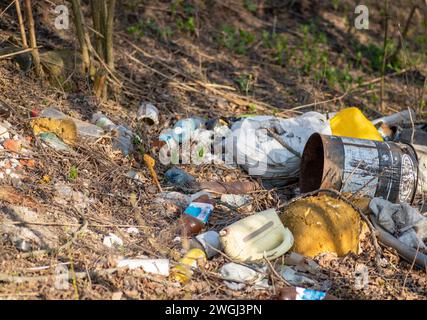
81	34
33	41
384	62
103	27
109	34
21	24
96	18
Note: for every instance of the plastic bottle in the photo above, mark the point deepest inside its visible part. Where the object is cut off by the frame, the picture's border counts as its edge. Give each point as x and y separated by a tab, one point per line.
184	129
103	121
84	129
122	136
196	215
184	270
298	293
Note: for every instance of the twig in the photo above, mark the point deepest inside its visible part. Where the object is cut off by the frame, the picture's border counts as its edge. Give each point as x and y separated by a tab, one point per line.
283	143
7	8
412	267
12	54
79	275
404	33
275	273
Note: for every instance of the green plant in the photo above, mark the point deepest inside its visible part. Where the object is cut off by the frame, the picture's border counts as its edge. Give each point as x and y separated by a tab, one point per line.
73	173
245	82
335	4
139	29
188	25
250	6
252	108
279	44
236	40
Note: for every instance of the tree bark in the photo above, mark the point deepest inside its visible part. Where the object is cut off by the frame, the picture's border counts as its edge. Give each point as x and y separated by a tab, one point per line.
96	19
81	33
109	34
33	41
21	24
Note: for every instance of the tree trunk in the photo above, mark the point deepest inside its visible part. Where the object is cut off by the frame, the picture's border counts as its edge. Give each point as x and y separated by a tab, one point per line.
109	35
21	24
96	18
33	41
81	33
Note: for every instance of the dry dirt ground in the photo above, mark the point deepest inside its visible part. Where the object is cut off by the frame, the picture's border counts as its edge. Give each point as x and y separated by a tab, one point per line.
188	67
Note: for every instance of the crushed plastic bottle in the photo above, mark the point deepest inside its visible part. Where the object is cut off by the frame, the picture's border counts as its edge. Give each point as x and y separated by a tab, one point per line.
103	121
84	129
193	259
122	136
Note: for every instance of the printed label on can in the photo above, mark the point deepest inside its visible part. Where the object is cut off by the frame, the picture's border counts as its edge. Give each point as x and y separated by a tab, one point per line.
361	166
308	294
199	210
407	179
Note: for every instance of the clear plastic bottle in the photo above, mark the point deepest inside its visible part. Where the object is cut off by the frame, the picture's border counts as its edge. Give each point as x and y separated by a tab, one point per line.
84	129
196	215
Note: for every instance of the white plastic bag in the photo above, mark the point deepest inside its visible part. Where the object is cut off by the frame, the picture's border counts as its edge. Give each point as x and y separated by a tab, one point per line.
262	155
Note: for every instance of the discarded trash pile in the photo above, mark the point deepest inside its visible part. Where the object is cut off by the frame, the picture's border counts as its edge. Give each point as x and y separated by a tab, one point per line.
328	164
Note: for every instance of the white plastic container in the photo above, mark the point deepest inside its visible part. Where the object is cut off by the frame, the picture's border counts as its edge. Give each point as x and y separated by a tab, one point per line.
259	236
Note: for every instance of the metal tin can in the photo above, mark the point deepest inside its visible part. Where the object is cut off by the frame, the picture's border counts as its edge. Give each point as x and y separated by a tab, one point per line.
373	168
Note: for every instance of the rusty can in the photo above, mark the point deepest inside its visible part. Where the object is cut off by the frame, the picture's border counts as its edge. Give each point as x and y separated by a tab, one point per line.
372	168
